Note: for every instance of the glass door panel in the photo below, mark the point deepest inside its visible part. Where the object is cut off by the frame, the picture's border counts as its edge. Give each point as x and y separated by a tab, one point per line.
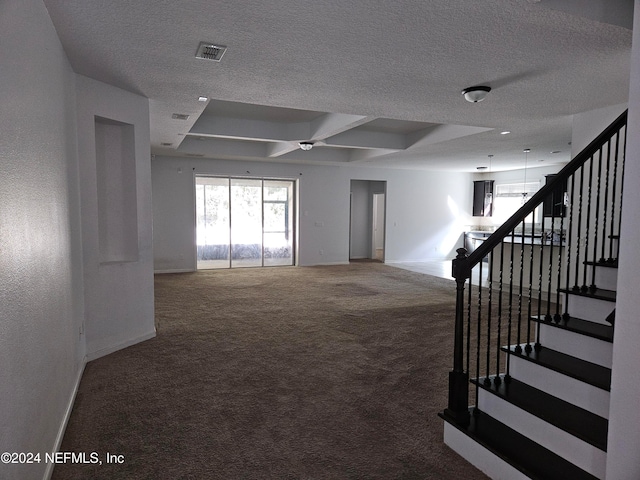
278	222
246	222
212	222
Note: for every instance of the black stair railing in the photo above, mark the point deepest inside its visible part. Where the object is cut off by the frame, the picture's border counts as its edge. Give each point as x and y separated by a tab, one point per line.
519	273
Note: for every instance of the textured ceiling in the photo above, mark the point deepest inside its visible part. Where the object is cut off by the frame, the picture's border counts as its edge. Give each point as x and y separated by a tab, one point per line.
370	82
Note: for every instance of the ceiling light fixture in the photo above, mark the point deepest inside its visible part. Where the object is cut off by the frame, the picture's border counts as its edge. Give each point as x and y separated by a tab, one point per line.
476	94
306	146
202	98
506	132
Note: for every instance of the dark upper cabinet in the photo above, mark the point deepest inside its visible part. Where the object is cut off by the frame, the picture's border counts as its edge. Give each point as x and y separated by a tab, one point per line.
554	206
483	198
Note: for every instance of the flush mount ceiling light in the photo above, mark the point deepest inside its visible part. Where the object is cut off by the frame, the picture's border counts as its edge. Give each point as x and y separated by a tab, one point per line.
202	98
306	145
475	94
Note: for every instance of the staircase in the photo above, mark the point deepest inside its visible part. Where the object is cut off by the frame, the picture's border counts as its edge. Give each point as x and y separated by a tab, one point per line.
529	389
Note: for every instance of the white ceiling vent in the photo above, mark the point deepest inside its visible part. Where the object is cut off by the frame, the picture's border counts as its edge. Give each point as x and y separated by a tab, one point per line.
210	51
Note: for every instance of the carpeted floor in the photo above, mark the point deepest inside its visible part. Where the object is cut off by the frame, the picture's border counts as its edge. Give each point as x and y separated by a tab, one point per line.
333	372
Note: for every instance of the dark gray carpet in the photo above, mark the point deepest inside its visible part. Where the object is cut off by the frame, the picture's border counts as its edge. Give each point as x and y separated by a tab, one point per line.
279	373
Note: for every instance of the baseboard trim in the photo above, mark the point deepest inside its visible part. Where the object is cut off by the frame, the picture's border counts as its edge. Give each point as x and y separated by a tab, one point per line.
114	348
177	270
65	420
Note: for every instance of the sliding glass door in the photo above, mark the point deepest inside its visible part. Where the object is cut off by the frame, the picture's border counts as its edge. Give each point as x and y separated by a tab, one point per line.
244	222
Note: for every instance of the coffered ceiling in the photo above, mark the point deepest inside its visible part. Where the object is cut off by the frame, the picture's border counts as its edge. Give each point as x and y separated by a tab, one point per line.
367	82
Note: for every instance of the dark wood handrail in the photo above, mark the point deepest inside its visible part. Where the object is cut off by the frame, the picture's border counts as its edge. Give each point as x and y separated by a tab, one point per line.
507	227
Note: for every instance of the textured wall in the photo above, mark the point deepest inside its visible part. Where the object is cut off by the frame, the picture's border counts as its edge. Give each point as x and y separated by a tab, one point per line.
118	294
41	348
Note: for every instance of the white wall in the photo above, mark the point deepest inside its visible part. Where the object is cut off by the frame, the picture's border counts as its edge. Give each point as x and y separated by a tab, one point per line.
361	219
624	416
41	294
425	215
588	125
118	294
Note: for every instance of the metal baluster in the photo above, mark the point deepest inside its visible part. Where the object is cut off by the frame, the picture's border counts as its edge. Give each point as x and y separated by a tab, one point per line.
576	288
540	270
469	322
497	381
556	316
606	197
584	288
528	347
592	287
479	332
565	315
624	157
547	316
487	381
507	377
519	336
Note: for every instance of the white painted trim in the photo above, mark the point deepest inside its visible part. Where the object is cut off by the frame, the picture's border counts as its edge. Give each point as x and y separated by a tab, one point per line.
65	419
580	346
588	308
562	386
480	457
573	449
106	351
177	270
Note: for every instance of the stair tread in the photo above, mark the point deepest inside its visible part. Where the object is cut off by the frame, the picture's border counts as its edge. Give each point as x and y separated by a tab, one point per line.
578	325
521	452
600	293
606	263
577	421
587	372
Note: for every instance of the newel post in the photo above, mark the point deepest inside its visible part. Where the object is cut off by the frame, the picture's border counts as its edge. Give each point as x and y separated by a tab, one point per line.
459	379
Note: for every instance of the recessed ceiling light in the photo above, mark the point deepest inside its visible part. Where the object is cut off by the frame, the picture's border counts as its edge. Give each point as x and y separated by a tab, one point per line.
506	132
556	151
180	116
202	98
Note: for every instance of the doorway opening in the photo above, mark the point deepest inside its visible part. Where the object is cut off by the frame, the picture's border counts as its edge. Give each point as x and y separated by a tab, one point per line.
244	222
367	222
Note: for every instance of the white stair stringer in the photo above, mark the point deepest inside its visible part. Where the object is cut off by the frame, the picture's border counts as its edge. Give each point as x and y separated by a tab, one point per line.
583	395
580	346
575	450
588	308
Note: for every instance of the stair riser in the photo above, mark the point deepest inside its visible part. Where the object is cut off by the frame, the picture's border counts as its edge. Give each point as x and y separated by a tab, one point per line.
587	308
606	277
566	388
581	346
582	454
480	457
